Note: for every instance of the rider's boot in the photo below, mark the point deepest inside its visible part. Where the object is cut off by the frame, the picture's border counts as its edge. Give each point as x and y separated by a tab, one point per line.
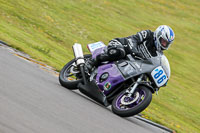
91	63
95	62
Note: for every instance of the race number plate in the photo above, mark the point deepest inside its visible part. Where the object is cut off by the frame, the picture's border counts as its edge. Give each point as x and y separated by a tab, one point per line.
94	46
159	76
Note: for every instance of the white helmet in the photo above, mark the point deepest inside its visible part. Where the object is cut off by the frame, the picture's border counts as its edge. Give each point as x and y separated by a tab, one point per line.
164	36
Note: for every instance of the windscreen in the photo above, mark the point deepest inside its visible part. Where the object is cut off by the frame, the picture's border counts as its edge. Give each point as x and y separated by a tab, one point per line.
165	65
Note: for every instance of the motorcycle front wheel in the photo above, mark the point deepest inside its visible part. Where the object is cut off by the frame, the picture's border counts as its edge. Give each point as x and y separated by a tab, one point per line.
70	75
126	106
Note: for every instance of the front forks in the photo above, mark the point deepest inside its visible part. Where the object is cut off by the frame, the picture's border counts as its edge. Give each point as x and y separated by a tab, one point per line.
131	90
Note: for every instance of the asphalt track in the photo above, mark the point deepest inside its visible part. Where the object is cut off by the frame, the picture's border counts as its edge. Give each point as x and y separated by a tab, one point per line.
32	101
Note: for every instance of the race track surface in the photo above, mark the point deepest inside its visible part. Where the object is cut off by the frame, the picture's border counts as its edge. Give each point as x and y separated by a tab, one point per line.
33	101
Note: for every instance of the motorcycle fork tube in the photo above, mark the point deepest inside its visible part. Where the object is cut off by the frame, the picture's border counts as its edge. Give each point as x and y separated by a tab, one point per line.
132	90
83	73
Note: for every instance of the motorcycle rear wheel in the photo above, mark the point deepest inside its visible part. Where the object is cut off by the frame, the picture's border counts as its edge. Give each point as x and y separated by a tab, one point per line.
68	75
125	106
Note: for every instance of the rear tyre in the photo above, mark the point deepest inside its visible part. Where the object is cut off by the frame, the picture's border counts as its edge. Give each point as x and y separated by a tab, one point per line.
70	75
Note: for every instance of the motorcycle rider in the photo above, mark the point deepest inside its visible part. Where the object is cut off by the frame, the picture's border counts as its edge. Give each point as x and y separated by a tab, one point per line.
144	45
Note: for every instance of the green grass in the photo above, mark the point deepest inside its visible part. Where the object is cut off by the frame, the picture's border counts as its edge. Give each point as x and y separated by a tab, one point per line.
47	29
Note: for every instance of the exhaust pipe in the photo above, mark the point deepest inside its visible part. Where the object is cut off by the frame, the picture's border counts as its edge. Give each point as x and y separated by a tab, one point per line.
78	53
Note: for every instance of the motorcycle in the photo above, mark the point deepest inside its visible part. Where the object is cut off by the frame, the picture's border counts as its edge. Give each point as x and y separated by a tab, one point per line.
127	84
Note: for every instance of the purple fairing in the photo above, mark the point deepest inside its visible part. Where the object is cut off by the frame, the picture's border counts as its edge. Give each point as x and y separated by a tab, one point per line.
115	77
97	52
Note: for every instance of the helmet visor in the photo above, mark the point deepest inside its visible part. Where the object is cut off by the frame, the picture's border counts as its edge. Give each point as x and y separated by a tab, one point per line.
165	44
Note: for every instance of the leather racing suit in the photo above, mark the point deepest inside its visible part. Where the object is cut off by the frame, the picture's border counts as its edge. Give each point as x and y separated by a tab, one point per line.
141	45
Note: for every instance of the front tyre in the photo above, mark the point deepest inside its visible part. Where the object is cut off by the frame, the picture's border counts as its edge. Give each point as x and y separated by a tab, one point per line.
126	106
70	75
